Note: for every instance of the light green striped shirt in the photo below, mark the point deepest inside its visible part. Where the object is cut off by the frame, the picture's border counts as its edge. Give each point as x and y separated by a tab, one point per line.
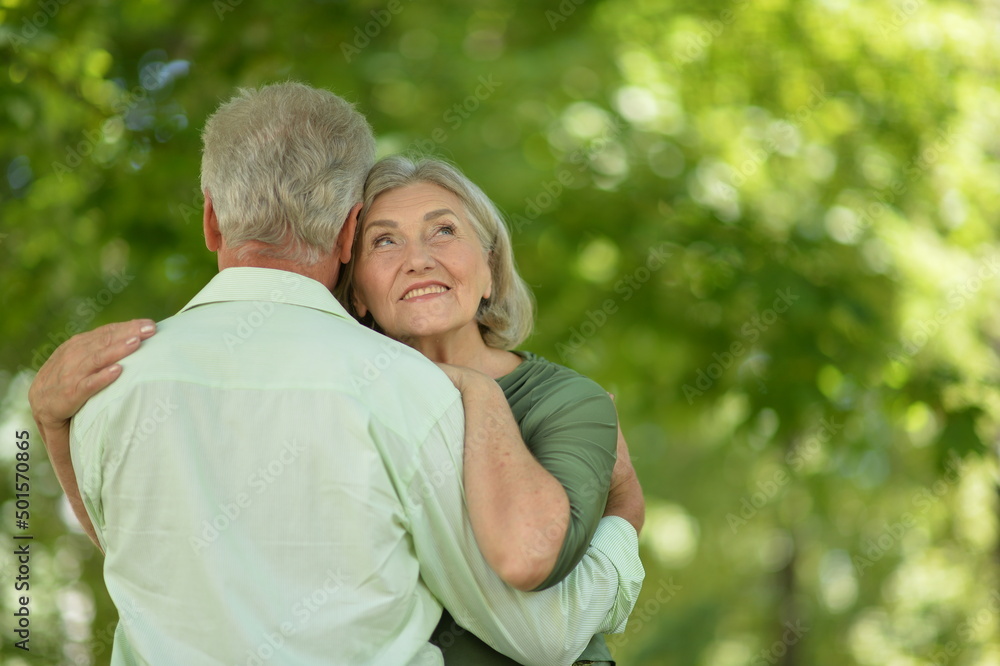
273	483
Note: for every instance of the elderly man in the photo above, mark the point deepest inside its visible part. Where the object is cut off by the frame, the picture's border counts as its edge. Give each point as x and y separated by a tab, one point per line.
255	502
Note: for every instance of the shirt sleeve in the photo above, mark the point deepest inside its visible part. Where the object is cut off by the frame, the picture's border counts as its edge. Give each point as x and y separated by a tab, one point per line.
572	429
87	450
549	627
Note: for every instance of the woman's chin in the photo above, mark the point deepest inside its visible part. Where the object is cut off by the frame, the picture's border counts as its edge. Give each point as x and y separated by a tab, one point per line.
414	336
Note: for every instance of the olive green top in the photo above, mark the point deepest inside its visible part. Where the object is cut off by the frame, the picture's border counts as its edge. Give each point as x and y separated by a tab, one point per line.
570	425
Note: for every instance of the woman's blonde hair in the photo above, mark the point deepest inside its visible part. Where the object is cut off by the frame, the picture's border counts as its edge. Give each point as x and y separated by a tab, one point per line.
506	318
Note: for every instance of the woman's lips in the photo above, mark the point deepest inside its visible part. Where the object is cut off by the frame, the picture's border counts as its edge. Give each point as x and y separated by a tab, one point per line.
424	291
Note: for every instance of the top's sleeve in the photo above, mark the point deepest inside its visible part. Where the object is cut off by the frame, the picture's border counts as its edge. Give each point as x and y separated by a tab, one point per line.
545	628
573	432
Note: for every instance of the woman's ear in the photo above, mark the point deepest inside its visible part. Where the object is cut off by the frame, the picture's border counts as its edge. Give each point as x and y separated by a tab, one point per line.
490	257
359	307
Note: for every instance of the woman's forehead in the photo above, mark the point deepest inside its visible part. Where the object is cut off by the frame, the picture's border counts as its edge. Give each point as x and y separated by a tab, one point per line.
414	195
417	201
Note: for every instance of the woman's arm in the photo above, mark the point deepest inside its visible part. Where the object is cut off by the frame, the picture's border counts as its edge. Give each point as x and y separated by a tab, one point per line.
77	369
518	510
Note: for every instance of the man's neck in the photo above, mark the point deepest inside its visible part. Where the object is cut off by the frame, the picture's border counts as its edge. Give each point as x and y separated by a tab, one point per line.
252	255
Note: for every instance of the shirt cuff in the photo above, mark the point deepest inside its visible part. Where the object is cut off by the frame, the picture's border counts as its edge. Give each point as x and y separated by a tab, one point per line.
617	540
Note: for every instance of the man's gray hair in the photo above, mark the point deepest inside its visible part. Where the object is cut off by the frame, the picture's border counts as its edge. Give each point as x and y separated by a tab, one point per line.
507	317
284	164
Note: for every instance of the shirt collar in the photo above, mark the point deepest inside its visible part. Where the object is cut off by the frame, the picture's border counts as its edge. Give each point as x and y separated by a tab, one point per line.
246	283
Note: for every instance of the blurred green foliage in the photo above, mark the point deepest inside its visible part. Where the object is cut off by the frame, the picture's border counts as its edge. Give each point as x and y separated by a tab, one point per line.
769	228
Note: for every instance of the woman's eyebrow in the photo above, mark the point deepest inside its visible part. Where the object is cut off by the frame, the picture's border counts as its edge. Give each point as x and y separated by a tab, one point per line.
438	213
390	224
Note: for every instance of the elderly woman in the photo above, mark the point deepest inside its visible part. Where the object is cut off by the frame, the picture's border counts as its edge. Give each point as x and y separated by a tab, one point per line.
432	267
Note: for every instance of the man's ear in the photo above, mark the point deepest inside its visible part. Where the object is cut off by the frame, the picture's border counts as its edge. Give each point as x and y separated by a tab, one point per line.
345	241
210	223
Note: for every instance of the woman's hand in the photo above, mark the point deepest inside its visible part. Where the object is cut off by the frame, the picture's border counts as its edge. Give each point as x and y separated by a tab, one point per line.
461	376
79	368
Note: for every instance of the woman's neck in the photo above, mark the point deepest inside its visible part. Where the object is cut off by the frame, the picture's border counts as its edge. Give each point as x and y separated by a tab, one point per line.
466	348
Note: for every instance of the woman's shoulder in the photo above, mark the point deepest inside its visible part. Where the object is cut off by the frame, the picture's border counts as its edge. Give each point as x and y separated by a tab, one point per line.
545	376
548	399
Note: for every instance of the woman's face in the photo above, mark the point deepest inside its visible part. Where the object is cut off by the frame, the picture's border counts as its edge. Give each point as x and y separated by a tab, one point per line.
420	269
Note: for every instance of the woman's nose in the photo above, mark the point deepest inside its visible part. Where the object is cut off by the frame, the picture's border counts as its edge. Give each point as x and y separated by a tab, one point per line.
418	258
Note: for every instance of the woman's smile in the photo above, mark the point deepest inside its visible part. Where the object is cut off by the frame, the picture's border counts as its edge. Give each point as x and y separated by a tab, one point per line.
420	269
420	290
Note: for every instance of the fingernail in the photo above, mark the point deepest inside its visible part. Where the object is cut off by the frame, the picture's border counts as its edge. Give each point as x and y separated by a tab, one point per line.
132	341
114	369
148	328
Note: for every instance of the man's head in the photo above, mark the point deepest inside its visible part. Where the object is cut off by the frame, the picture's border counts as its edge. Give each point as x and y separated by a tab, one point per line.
282	168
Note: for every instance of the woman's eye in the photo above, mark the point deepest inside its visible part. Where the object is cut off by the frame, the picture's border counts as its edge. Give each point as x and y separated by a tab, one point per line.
447	229
382	241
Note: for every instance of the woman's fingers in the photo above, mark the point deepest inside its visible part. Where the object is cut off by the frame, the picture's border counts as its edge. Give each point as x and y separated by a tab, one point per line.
454	373
91	384
95	350
82	366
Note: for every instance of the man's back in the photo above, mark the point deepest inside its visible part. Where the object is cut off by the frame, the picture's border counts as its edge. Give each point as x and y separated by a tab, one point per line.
238	478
